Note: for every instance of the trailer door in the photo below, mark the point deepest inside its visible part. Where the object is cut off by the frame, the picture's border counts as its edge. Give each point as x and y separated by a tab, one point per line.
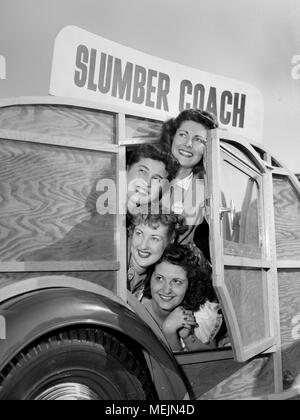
243	274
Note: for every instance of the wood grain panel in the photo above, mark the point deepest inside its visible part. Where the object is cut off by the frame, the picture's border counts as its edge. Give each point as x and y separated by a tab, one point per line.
287	219
95	265
289	304
137	128
247	294
106	279
205	376
291	364
48	203
58	120
251	379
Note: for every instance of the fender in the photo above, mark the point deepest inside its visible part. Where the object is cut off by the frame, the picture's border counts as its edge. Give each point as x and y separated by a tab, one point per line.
29	317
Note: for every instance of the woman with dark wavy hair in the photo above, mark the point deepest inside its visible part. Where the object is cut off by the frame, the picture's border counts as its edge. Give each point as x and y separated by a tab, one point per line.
177	294
150	168
185	137
149	234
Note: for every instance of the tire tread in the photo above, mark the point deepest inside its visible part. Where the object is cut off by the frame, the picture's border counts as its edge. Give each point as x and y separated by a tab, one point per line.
112	345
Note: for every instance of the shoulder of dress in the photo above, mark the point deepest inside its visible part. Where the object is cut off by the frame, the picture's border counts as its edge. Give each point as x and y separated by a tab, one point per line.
198	182
139	294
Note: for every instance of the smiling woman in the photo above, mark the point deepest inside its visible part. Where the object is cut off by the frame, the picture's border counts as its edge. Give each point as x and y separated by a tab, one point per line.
145	178
185	137
149	168
176	295
148	237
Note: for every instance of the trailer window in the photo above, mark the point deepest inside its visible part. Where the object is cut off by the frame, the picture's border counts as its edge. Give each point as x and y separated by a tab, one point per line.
287	218
49	198
243	270
242	225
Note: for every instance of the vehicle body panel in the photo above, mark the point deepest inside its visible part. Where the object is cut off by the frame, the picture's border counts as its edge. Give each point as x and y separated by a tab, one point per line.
31	316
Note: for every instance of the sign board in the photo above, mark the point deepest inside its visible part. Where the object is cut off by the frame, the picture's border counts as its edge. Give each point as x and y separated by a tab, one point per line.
2	67
89	67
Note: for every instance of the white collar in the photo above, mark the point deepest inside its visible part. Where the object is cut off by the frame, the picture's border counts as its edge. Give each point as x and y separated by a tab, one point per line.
184	183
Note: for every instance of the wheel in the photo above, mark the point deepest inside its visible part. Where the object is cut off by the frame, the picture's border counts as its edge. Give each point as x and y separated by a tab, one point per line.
83	364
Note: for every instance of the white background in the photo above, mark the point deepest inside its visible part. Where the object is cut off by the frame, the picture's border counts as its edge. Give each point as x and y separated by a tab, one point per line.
249	40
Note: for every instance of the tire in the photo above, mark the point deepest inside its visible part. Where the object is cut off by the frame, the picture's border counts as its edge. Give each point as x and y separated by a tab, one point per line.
83	364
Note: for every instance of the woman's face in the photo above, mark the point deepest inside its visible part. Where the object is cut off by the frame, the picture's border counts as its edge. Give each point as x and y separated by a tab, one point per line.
144	181
169	284
189	143
148	244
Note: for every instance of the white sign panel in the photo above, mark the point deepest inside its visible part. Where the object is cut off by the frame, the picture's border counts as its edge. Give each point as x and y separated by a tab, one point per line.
2	67
87	66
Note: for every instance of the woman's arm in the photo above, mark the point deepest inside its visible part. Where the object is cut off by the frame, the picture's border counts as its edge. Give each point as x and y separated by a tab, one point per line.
173	340
192	343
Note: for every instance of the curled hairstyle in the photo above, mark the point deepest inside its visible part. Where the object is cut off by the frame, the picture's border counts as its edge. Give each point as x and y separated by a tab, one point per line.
170	127
197	271
174	222
155	152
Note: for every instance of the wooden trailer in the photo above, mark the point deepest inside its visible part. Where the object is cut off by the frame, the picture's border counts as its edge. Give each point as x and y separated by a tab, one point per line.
63	264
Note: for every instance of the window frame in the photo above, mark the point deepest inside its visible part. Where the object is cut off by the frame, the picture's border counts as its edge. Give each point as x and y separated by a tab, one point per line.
257	177
119	264
267	262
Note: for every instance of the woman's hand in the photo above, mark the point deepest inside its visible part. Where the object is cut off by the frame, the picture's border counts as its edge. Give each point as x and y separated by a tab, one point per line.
179	322
178	319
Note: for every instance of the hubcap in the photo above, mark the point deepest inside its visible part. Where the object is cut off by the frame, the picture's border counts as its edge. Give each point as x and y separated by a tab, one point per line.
68	391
